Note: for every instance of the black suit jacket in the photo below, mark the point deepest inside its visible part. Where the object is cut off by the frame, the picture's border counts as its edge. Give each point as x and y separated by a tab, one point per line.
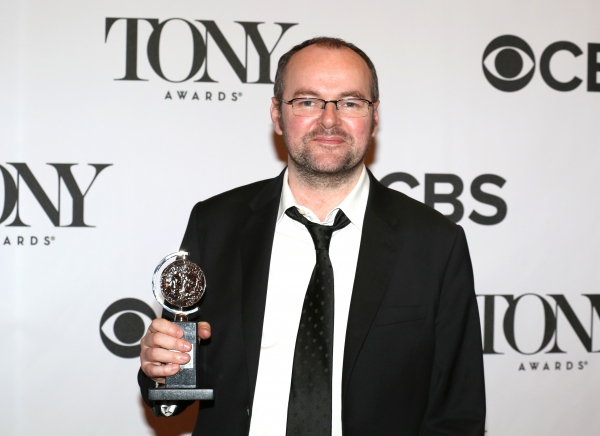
412	360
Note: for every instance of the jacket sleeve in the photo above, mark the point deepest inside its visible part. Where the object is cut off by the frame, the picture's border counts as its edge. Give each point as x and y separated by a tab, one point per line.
456	404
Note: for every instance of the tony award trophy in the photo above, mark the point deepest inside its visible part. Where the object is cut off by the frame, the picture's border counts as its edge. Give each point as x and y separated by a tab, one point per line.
181	283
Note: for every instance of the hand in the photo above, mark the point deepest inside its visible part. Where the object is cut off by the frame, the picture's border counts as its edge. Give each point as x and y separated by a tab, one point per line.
157	359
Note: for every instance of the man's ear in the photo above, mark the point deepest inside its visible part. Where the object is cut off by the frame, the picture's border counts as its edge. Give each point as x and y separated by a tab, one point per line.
276	116
375	118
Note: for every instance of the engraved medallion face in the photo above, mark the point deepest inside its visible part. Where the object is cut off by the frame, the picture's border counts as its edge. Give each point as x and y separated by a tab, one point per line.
182	283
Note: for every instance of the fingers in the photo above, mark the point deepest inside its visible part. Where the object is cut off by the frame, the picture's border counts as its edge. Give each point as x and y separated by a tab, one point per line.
165	334
204	330
163	350
158	363
161	340
159	372
162	356
164	326
153	356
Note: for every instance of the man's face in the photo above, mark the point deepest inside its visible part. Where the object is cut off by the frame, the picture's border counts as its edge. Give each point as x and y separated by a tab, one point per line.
325	144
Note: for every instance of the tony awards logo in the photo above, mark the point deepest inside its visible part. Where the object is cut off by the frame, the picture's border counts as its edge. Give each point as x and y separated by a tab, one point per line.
181	284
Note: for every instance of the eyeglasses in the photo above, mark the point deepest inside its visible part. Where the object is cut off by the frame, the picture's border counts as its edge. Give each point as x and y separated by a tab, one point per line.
313	107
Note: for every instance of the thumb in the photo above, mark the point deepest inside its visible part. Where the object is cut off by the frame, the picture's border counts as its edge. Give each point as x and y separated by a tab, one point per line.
204	330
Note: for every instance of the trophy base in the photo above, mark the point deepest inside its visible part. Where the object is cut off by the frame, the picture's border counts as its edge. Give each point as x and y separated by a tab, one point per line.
160	394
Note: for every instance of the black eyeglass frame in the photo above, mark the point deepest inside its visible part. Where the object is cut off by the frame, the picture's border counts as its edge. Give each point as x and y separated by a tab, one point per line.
291	102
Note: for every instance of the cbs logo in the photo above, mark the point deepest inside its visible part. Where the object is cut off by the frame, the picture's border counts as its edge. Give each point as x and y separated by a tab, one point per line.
509	65
432	197
123	324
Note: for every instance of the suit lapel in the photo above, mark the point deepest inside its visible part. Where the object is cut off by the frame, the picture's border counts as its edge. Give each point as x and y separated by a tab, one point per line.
379	248
256	246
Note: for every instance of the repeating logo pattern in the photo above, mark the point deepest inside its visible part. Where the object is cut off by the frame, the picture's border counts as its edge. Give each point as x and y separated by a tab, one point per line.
433	197
509	64
25	178
201	49
122	325
557	314
503	63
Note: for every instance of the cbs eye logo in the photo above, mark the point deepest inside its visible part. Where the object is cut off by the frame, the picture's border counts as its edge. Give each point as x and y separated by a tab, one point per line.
123	324
509	64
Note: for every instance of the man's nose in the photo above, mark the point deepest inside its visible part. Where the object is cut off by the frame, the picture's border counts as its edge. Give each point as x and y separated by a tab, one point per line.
330	115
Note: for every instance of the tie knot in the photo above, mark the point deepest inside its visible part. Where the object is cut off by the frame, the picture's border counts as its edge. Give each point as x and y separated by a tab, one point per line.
320	234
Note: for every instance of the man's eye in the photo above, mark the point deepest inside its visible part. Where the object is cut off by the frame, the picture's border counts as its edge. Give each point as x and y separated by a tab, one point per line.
351	104
306	103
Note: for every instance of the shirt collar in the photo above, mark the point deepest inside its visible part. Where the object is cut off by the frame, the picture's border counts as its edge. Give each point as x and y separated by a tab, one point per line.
354	205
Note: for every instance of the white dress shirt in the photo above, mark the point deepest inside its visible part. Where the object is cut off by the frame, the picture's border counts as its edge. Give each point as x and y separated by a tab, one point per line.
292	263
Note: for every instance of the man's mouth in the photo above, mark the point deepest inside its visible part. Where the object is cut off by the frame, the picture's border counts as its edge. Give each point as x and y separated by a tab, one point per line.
329	140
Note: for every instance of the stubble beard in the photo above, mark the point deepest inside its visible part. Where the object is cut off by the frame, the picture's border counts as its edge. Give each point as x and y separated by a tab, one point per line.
316	175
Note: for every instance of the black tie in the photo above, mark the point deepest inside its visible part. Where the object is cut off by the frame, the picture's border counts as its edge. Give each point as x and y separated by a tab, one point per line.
309	407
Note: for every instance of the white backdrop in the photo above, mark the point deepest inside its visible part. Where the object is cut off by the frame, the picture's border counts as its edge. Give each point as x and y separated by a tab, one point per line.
62	103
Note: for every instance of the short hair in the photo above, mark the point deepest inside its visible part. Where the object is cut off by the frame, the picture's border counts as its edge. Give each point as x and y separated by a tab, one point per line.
326	42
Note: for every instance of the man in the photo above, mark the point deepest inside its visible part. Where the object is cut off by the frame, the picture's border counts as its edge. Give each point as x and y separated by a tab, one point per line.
406	356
